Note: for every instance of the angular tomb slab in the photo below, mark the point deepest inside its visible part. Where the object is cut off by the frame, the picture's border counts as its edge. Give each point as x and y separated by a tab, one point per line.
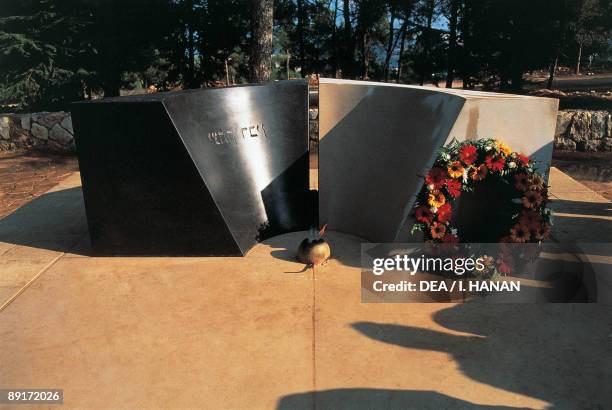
196	172
377	141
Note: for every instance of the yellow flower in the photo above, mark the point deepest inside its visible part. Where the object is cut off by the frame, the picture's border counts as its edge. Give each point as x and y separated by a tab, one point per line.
536	183
503	148
436	199
455	169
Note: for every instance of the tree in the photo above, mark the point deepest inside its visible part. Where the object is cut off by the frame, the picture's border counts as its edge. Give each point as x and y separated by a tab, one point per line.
349	45
589	26
453	12
38	42
261	42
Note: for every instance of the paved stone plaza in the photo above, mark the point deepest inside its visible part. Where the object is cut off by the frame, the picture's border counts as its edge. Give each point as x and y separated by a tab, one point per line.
263	332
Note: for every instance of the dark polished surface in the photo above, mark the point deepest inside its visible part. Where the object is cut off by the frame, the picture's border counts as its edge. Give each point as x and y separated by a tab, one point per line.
198	172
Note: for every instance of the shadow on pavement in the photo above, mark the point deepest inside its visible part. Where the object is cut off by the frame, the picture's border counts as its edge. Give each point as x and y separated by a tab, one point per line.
369	399
54	221
558	353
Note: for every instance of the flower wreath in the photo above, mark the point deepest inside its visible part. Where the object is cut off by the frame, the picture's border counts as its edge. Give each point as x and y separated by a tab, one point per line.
462	165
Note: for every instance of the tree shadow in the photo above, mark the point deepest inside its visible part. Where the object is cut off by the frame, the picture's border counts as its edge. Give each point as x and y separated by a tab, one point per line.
370	399
584	208
557	353
55	221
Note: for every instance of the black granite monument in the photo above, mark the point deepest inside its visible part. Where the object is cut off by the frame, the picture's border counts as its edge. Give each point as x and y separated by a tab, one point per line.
197	172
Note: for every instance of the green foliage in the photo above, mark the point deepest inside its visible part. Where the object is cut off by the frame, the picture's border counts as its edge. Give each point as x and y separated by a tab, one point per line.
53	52
38	46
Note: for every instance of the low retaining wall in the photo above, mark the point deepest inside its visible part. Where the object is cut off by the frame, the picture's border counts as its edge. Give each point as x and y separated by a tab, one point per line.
577	130
49	131
582	130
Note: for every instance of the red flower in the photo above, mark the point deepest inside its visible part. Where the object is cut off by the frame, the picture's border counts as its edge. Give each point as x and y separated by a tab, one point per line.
453	187
423	214
436	177
468	154
503	266
450	238
523	159
495	163
444	213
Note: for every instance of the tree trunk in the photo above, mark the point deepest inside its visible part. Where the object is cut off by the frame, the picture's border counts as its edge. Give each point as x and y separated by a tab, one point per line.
190	81
559	46
401	54
335	40
579	57
347	64
301	16
452	43
464	26
390	43
366	56
426	41
551	73
261	41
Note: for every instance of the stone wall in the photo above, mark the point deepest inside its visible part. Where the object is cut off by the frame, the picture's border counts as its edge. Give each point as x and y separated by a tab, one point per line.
49	131
577	130
313	129
582	130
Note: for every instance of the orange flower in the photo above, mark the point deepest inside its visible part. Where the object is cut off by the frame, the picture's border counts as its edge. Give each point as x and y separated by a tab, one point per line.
455	169
438	230
503	148
436	198
542	232
532	199
519	233
480	173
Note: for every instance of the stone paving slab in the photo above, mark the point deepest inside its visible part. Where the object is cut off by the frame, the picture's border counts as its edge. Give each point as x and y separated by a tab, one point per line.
579	214
263	332
162	332
443	355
